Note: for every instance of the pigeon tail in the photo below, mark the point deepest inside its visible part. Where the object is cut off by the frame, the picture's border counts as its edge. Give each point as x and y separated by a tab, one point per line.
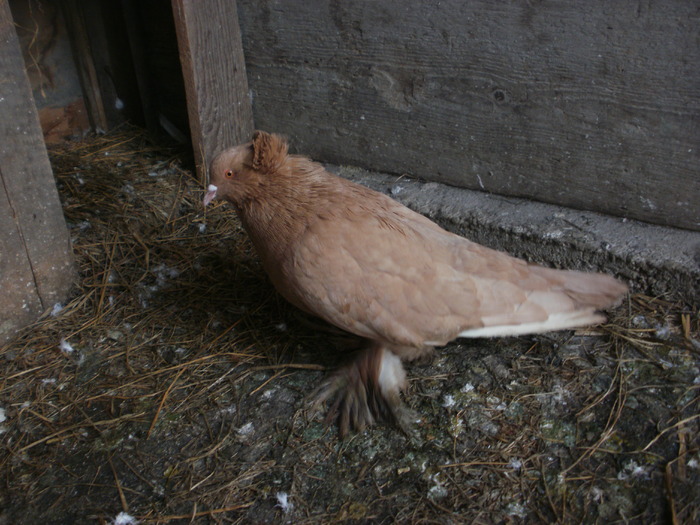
557	321
571	301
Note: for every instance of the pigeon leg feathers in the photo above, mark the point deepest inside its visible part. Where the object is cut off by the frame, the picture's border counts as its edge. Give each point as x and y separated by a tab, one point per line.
367	388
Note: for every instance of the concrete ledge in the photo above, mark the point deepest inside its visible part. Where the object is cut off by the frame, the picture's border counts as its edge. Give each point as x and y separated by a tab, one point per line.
652	259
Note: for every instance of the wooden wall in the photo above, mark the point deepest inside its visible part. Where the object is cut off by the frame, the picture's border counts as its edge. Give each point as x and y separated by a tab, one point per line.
213	68
592	105
36	260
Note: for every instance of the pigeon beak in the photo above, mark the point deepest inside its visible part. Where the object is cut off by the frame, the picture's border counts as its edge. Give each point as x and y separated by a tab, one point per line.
211	194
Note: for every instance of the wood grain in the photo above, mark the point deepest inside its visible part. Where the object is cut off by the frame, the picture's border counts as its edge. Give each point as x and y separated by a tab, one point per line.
19	301
36	260
213	68
85	63
592	105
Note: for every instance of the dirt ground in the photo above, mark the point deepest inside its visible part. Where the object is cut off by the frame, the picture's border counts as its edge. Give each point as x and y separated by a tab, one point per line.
173	388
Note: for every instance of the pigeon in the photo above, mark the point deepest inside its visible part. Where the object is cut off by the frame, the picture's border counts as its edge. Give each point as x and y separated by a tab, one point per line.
370	266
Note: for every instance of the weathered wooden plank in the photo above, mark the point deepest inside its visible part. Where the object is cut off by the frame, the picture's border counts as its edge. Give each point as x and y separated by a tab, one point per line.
19	300
213	68
36	262
138	53
155	52
85	62
592	105
108	36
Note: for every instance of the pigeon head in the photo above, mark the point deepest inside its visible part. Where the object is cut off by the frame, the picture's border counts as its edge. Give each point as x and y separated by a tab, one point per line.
240	173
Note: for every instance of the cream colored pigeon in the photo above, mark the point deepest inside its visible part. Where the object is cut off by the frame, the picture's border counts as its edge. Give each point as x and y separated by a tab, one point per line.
367	264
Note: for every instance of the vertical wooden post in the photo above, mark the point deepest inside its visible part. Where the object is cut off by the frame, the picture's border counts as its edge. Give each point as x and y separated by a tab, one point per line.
36	260
85	63
213	67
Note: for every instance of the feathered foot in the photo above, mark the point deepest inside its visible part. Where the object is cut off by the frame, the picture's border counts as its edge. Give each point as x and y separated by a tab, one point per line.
366	390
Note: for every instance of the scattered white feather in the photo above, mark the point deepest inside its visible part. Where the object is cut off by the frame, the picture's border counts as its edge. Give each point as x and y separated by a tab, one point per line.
467	388
230	410
3	417
124	519
449	401
66	347
692	463
515	464
560	395
554	234
666	365
283	502
118	104
597	494
246	429
438	490
639	471
282	327
633	470
516	509
163	273
639	321
663	332
56	309
202	227
495	403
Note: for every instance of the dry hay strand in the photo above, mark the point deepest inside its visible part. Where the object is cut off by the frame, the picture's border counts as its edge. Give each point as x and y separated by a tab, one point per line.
172	386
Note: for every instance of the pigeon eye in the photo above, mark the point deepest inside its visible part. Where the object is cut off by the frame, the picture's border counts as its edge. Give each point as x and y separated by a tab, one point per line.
229	174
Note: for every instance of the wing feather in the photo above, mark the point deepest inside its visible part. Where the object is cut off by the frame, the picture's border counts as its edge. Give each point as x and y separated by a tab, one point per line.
382	271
